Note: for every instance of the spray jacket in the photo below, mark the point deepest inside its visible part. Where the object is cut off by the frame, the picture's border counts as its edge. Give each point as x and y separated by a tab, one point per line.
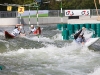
77	34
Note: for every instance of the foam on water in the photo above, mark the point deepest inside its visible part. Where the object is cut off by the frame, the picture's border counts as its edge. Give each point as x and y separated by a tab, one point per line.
3	41
88	34
96	72
40	38
45	39
1	33
70	59
57	37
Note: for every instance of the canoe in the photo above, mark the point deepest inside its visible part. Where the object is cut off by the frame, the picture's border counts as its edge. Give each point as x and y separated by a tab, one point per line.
90	41
8	35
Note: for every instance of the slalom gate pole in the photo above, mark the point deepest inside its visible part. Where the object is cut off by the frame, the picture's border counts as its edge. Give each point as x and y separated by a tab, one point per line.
20	18
37	20
29	16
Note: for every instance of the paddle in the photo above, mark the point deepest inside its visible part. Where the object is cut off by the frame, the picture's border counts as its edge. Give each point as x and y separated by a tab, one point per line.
39	32
38	38
23	29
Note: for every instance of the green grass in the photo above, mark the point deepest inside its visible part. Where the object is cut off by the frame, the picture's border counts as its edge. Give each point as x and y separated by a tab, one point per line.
40	15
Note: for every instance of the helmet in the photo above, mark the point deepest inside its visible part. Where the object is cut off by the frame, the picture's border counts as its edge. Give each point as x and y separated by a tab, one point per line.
83	27
31	25
20	27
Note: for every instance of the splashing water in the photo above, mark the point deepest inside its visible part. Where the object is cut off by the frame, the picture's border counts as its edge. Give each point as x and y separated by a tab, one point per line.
96	72
49	59
88	34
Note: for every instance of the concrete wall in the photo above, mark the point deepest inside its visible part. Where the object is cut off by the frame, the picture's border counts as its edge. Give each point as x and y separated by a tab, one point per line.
8	21
49	20
44	20
41	20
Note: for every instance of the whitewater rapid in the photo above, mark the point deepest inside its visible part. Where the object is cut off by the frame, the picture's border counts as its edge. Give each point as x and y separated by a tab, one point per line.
47	55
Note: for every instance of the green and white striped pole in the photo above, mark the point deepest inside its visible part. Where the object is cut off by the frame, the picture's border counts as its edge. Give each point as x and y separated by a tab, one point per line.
37	20
37	17
61	15
20	18
29	16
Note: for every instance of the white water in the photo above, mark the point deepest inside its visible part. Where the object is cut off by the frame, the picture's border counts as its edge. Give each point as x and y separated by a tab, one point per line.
45	39
51	60
96	72
88	34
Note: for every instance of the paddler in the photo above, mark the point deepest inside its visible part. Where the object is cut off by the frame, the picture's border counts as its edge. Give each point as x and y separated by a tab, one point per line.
17	31
79	37
37	31
32	29
16	26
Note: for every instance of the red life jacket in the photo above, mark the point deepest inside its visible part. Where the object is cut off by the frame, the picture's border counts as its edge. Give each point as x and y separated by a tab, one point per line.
38	31
35	32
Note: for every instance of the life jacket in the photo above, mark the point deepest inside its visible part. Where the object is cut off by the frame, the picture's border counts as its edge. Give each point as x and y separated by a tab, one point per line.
77	34
37	31
33	29
15	32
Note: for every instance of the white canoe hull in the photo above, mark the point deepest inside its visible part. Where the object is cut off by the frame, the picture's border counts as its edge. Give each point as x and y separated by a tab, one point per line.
90	41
